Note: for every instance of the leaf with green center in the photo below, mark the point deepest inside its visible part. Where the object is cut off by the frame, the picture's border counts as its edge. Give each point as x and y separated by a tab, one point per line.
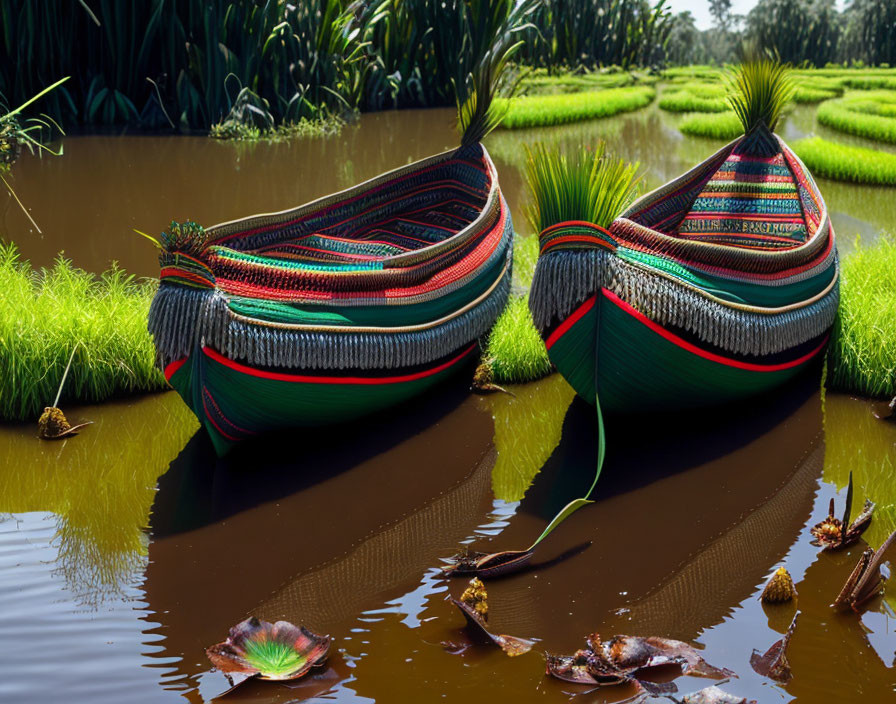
269	651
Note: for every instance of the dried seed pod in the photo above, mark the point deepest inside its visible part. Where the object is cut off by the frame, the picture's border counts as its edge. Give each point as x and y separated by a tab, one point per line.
476	597
779	587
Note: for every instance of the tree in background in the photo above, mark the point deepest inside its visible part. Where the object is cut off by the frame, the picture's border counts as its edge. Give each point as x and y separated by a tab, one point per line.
686	43
723	39
797	30
869	34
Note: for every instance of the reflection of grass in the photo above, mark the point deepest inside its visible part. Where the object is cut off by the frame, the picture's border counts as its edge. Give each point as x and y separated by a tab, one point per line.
846	163
721	125
45	314
528	427
542	110
857	441
871	115
862	356
100	484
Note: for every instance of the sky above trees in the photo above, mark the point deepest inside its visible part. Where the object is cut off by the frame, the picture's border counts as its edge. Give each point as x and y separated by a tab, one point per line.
700	9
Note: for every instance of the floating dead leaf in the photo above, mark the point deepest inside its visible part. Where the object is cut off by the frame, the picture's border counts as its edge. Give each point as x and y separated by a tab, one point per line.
53	425
486	565
620	659
773	662
865	581
268	651
714	695
779	587
473	604
833	533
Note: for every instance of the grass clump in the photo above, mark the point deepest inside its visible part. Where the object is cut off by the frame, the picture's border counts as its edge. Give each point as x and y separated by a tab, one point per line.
236	131
842	162
722	125
862	354
549	110
694	97
811	94
44	314
871	115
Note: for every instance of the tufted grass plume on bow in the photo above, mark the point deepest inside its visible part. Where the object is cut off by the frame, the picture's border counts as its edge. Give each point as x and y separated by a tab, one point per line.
759	90
584	184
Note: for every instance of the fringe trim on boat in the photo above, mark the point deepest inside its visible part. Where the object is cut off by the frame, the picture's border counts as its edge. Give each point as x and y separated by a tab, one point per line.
176	332
563	279
173	317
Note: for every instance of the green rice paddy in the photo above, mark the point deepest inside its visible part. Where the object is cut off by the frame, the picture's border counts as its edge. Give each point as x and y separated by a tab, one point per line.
549	110
871	115
843	162
862	355
722	125
46	314
694	97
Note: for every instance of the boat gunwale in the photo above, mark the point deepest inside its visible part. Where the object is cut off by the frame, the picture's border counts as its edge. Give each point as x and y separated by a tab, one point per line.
233	227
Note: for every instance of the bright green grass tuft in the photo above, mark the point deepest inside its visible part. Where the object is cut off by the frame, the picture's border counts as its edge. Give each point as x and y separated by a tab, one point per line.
862	354
549	110
45	314
273	658
694	97
722	125
811	94
846	163
871	115
516	352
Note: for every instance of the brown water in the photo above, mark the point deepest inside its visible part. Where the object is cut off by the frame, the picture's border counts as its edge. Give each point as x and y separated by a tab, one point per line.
127	550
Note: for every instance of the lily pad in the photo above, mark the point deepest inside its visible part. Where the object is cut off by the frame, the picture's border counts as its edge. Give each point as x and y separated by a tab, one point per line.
269	651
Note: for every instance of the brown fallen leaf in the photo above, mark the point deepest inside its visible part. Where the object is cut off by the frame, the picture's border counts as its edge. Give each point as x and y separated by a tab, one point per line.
486	565
773	663
865	580
888	412
483	382
714	695
779	588
619	659
833	533
473	604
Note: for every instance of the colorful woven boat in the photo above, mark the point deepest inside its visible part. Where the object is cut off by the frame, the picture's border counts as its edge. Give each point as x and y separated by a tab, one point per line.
337	308
721	284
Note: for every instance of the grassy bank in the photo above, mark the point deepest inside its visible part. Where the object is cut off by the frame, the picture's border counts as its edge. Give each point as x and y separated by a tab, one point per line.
871	115
549	110
862	356
721	125
842	162
45	314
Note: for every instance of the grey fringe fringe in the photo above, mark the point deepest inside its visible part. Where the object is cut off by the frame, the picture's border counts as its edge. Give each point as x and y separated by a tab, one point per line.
182	318
563	279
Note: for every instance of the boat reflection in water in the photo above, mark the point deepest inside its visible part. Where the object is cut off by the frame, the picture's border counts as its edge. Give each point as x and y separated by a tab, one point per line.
684	529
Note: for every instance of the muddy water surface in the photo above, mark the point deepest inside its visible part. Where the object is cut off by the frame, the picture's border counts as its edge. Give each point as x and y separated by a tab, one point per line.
127	550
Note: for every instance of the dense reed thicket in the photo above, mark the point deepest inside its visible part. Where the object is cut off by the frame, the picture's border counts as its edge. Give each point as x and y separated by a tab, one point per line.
196	63
594	33
46	314
843	162
862	356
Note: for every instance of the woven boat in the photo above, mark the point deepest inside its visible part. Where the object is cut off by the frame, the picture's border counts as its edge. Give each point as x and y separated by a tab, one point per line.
338	308
719	285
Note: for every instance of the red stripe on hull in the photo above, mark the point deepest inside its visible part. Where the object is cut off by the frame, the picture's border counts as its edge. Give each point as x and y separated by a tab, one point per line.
304	379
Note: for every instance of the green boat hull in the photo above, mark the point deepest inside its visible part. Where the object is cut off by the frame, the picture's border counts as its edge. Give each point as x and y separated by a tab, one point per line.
234	401
608	350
